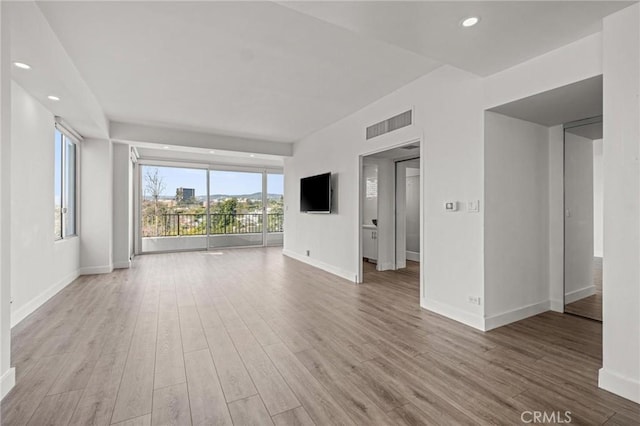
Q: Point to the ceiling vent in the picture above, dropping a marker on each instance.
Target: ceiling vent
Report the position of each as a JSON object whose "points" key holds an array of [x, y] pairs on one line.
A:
{"points": [[389, 125]]}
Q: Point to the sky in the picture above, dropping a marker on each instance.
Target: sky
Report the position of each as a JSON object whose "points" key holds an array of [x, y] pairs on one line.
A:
{"points": [[229, 183]]}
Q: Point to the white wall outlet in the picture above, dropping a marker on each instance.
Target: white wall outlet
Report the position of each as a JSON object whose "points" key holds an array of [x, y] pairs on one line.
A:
{"points": [[473, 206], [451, 206], [475, 300]]}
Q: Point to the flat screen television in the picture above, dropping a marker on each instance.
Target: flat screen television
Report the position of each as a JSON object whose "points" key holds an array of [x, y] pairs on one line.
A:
{"points": [[315, 194]]}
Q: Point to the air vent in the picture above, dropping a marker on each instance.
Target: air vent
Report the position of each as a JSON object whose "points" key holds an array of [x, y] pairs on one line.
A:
{"points": [[389, 125]]}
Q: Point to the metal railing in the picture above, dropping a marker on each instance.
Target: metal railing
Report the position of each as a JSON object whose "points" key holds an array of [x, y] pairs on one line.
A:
{"points": [[185, 224]]}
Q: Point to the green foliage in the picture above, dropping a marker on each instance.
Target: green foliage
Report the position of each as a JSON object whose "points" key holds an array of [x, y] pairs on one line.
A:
{"points": [[229, 216]]}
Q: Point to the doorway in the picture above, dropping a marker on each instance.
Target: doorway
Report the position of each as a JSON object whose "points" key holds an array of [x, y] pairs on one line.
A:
{"points": [[390, 217], [583, 207]]}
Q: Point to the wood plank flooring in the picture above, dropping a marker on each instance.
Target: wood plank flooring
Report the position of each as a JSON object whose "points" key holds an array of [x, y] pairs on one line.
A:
{"points": [[591, 306], [248, 336]]}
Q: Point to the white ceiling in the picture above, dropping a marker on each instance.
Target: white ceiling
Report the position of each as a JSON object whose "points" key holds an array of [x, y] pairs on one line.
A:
{"points": [[251, 69], [267, 71], [509, 32], [562, 105]]}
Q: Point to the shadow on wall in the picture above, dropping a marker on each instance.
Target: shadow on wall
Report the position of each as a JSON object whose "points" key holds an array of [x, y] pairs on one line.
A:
{"points": [[335, 208]]}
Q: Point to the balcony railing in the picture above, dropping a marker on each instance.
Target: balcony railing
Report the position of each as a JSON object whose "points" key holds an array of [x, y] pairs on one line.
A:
{"points": [[185, 224]]}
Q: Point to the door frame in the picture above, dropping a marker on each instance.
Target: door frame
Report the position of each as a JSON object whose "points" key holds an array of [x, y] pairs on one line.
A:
{"points": [[565, 127], [359, 217], [401, 209]]}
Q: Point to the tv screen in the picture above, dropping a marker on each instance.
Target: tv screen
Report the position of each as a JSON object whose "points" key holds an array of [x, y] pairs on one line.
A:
{"points": [[315, 194]]}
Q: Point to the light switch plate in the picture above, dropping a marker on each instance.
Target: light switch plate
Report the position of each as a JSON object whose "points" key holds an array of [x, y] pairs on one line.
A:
{"points": [[473, 206], [451, 206]]}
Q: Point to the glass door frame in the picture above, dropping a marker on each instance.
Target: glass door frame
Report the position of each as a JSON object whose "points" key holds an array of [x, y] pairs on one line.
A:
{"points": [[138, 191]]}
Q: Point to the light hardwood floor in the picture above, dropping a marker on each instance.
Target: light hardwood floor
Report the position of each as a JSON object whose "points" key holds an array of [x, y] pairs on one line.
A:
{"points": [[249, 336]]}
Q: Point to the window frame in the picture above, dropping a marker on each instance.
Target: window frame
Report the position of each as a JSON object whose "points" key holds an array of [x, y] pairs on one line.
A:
{"points": [[67, 139]]}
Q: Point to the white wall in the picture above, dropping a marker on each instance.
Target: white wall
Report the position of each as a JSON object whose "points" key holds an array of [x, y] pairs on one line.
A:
{"points": [[413, 210], [598, 194], [574, 62], [32, 200], [96, 205], [516, 233], [122, 207], [7, 374], [449, 120], [621, 275]]}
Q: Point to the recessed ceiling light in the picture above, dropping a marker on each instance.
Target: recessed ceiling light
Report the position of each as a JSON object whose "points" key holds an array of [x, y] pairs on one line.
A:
{"points": [[22, 65], [212, 152], [252, 156], [53, 98], [470, 21], [165, 147]]}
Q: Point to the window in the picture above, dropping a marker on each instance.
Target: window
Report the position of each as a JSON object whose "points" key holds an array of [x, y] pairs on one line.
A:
{"points": [[64, 186], [57, 186]]}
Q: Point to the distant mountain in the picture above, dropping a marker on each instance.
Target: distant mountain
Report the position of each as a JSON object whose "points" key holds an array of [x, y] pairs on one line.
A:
{"points": [[254, 196], [202, 198]]}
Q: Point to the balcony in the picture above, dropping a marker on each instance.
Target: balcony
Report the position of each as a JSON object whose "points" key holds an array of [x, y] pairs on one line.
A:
{"points": [[165, 232]]}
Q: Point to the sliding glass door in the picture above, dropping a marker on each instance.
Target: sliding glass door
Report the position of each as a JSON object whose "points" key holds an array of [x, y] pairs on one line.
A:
{"points": [[183, 208], [173, 208], [236, 209]]}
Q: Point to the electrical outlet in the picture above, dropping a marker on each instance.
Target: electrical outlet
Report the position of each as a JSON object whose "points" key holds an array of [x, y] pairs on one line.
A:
{"points": [[308, 252], [475, 300]]}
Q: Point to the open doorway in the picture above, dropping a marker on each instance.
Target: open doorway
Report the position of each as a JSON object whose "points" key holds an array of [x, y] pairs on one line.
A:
{"points": [[390, 217], [541, 153], [583, 194]]}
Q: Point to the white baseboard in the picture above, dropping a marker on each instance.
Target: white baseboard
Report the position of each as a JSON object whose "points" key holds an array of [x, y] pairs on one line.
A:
{"points": [[125, 264], [575, 295], [623, 386], [93, 270], [556, 306], [350, 276], [413, 255], [456, 314], [514, 315], [7, 382], [24, 311]]}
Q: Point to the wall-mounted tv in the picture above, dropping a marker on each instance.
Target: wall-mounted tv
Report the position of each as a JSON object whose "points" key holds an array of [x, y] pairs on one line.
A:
{"points": [[315, 194]]}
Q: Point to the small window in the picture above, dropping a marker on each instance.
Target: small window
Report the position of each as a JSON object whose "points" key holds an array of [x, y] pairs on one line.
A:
{"points": [[65, 158]]}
